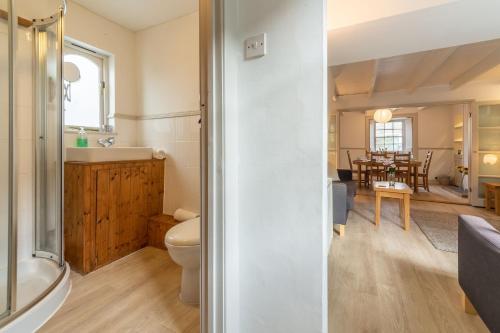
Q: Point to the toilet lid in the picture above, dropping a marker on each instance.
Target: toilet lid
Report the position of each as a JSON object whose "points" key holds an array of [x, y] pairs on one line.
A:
{"points": [[184, 234]]}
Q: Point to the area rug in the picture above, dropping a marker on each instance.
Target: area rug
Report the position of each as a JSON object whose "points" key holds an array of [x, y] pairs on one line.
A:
{"points": [[441, 228]]}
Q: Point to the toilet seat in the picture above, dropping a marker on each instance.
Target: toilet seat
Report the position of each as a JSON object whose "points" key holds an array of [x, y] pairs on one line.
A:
{"points": [[184, 234]]}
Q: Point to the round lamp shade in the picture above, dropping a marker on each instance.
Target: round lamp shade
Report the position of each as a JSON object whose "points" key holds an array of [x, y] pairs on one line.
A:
{"points": [[490, 159], [382, 115], [71, 72]]}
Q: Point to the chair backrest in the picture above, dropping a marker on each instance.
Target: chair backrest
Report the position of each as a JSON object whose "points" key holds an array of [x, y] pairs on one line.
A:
{"points": [[402, 156], [427, 163], [349, 158], [390, 154], [402, 161], [377, 154]]}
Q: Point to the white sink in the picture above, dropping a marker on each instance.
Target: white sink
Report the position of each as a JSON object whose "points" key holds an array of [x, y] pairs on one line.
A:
{"points": [[110, 154]]}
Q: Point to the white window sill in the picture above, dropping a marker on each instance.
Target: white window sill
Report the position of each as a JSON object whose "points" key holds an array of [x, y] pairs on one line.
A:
{"points": [[89, 132]]}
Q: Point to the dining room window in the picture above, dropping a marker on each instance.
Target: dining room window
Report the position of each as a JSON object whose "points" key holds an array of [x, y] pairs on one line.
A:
{"points": [[395, 135]]}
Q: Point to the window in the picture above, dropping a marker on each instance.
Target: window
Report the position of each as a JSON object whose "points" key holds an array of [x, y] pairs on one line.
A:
{"points": [[85, 99], [389, 136], [395, 135]]}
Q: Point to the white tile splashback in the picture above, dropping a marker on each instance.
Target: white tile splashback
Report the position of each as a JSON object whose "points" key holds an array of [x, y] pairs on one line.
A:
{"points": [[180, 139]]}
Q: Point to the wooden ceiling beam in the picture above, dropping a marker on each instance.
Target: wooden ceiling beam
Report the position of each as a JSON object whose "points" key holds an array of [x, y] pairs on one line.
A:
{"points": [[373, 79], [430, 63], [489, 62], [334, 74], [20, 20]]}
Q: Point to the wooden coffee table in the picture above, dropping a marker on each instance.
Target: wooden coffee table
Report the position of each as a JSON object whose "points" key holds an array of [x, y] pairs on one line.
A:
{"points": [[399, 191]]}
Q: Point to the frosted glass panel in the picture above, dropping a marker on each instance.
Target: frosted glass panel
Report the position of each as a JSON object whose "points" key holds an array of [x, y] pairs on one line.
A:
{"points": [[489, 164], [489, 115], [48, 146], [489, 145], [4, 161], [489, 139]]}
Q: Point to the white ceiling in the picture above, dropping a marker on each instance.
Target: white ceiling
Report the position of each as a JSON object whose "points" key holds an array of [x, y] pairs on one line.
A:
{"points": [[137, 15], [453, 66], [343, 13]]}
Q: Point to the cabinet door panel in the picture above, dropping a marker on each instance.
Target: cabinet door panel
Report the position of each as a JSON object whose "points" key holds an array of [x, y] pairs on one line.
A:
{"points": [[125, 230], [102, 217], [139, 184], [114, 218]]}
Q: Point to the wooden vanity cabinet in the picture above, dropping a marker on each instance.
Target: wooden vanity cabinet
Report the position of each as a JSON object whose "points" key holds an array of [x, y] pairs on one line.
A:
{"points": [[107, 206]]}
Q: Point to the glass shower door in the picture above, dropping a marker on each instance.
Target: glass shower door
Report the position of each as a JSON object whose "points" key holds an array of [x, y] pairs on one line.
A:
{"points": [[48, 123], [5, 164]]}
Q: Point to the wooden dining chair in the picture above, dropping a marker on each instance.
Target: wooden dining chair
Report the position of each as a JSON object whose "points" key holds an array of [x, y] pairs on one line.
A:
{"points": [[373, 155], [390, 154], [425, 172], [376, 172], [349, 159], [355, 171], [403, 167]]}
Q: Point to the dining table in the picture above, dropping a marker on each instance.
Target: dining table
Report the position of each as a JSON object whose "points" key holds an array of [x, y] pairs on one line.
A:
{"points": [[386, 162]]}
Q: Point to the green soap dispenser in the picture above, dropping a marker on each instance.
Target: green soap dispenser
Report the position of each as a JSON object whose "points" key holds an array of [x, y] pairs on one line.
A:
{"points": [[81, 139]]}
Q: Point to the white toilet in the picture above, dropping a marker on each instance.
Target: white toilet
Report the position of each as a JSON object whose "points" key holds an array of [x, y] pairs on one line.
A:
{"points": [[183, 244]]}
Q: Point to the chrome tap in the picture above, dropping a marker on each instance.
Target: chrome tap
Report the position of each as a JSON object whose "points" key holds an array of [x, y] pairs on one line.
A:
{"points": [[106, 142]]}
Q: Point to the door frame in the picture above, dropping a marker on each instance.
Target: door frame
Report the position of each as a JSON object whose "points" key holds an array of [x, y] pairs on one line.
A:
{"points": [[212, 307]]}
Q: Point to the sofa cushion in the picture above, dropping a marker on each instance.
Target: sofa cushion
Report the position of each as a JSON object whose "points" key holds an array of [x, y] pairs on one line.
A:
{"points": [[479, 267]]}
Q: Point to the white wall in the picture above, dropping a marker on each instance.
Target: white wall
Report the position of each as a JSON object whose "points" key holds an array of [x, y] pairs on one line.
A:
{"points": [[275, 168], [168, 84], [168, 67], [352, 137], [435, 132]]}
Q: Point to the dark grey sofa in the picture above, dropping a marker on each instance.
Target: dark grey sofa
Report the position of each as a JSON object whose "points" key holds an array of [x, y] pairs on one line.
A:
{"points": [[343, 193], [479, 268]]}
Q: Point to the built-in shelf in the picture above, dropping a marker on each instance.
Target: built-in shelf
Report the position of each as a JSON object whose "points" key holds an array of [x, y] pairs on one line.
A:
{"points": [[489, 151], [489, 176], [458, 140], [461, 125], [489, 127]]}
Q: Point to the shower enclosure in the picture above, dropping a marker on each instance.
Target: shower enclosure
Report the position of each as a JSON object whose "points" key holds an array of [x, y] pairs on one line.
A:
{"points": [[34, 278]]}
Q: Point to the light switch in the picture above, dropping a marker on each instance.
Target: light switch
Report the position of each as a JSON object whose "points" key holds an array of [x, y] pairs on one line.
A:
{"points": [[256, 46]]}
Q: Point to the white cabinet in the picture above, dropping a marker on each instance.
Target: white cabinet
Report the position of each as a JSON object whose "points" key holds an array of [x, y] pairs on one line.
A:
{"points": [[486, 148]]}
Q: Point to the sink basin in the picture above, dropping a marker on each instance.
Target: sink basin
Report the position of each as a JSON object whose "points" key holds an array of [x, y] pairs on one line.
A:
{"points": [[110, 154]]}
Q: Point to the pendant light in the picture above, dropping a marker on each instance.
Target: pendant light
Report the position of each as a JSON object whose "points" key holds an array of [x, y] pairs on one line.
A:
{"points": [[383, 116]]}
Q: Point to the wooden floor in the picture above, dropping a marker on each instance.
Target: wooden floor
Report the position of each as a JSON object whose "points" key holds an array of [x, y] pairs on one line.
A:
{"points": [[387, 280], [138, 293], [438, 193]]}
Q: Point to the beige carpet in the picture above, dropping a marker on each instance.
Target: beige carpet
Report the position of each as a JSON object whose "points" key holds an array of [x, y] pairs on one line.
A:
{"points": [[441, 228]]}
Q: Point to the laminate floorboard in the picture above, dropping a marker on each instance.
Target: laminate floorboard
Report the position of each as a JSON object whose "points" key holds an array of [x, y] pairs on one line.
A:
{"points": [[138, 293], [387, 280]]}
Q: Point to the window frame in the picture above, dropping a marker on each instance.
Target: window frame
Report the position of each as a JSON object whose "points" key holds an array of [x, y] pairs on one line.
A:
{"points": [[104, 112], [403, 134]]}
